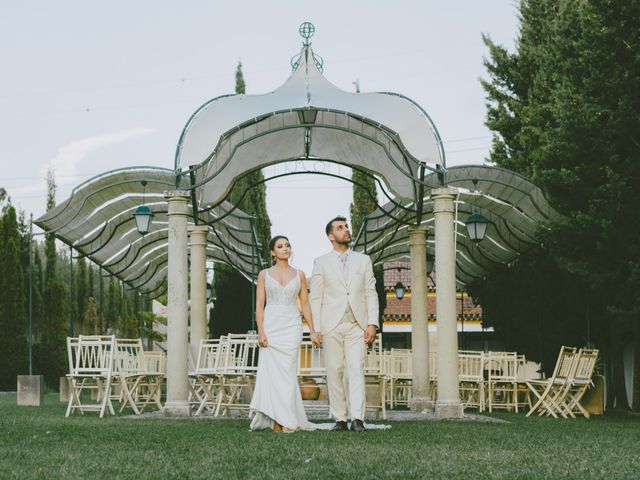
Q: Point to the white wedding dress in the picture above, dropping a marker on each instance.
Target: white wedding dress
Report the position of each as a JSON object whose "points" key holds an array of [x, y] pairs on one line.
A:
{"points": [[277, 393]]}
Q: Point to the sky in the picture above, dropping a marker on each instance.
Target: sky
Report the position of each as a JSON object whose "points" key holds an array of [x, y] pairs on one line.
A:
{"points": [[89, 86]]}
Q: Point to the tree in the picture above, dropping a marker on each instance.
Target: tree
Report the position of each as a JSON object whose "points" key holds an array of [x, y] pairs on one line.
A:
{"points": [[50, 353], [233, 308], [50, 239], [90, 318], [565, 111], [13, 341], [364, 202]]}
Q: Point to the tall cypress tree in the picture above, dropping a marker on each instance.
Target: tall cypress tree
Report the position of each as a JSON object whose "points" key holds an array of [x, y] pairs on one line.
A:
{"points": [[80, 290], [233, 309], [363, 203], [50, 240], [13, 342], [51, 351], [565, 111]]}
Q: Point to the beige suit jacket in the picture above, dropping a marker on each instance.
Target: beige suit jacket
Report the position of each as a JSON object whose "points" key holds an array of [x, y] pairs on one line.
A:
{"points": [[331, 291]]}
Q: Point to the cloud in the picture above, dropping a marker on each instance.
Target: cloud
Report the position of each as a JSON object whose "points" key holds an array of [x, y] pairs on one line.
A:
{"points": [[69, 156]]}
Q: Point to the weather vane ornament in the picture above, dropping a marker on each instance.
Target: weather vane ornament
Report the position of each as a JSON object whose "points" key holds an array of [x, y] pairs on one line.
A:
{"points": [[306, 31]]}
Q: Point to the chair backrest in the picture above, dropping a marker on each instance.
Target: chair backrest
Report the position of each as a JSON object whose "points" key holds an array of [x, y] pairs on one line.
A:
{"points": [[502, 366], [586, 363], [154, 363], [399, 363], [239, 355], [91, 355], [209, 356], [470, 366], [433, 366], [128, 358], [72, 352], [311, 363], [374, 361], [565, 365]]}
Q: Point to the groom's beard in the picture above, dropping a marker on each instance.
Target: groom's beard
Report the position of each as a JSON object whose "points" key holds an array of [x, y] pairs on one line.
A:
{"points": [[344, 242]]}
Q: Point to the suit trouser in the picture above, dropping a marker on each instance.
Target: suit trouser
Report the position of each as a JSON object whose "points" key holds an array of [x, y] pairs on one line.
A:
{"points": [[344, 355]]}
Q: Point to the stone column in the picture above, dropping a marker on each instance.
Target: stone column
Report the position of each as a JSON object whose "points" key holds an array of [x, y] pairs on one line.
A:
{"points": [[198, 330], [177, 403], [421, 395], [448, 404]]}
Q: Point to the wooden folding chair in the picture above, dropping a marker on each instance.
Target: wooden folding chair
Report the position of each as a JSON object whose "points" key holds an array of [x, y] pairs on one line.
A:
{"points": [[90, 369], [129, 369], [399, 375], [237, 376], [471, 378], [550, 393], [375, 377], [502, 382], [580, 382], [149, 388], [205, 379]]}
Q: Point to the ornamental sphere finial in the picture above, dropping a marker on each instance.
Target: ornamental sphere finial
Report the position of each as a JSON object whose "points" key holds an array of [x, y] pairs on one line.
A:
{"points": [[307, 30]]}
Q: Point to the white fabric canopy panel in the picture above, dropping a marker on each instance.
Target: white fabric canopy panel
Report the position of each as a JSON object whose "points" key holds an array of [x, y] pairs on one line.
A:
{"points": [[308, 117], [514, 206], [97, 221]]}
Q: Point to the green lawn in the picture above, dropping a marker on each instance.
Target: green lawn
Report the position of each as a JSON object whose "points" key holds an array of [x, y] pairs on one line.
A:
{"points": [[41, 443]]}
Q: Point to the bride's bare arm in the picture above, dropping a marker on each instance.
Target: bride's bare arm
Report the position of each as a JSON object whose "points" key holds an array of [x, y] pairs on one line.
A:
{"points": [[316, 337], [260, 302]]}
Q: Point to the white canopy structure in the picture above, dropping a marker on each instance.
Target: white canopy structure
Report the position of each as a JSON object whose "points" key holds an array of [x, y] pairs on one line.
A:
{"points": [[307, 119]]}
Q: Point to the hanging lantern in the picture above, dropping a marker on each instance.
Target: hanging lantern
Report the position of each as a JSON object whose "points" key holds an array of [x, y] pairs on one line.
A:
{"points": [[399, 288], [143, 214], [476, 227]]}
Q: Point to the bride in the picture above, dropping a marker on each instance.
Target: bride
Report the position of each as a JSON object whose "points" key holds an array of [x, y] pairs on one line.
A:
{"points": [[277, 402]]}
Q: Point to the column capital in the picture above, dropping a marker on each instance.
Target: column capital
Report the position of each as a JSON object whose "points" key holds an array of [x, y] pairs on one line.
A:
{"points": [[177, 200], [443, 199], [446, 191], [198, 234], [176, 194], [418, 235]]}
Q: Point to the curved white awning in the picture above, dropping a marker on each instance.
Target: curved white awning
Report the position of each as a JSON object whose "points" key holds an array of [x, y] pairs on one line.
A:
{"points": [[308, 117]]}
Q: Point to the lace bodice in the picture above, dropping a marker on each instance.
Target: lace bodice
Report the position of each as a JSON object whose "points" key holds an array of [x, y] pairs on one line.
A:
{"points": [[279, 295]]}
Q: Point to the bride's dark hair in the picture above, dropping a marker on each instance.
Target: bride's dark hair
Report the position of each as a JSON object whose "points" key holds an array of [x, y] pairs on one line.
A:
{"points": [[272, 244]]}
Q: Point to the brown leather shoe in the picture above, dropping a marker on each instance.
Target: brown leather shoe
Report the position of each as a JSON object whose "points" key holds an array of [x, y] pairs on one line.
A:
{"points": [[340, 427], [357, 426]]}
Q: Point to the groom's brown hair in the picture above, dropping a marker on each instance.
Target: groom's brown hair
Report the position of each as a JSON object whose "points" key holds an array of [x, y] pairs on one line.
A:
{"points": [[329, 226]]}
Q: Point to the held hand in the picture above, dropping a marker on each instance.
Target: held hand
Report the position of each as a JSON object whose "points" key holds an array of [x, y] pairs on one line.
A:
{"points": [[370, 334], [316, 339], [262, 339]]}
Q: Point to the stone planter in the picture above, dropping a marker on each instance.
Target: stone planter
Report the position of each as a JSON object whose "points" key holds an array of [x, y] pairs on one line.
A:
{"points": [[30, 390], [309, 389]]}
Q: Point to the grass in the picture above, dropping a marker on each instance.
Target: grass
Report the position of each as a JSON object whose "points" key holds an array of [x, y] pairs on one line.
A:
{"points": [[41, 443]]}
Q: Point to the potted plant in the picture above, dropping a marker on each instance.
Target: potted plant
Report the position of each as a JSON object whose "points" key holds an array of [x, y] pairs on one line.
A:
{"points": [[309, 389]]}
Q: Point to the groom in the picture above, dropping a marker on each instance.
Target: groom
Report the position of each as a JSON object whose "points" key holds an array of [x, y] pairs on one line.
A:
{"points": [[344, 304]]}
